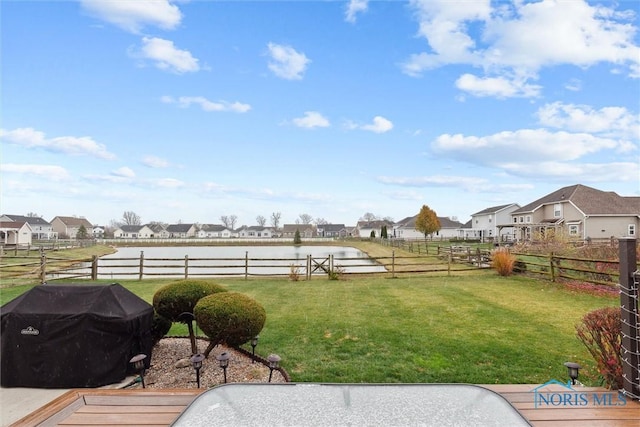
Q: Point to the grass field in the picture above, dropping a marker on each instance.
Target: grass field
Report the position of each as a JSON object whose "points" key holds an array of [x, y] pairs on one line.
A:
{"points": [[477, 329]]}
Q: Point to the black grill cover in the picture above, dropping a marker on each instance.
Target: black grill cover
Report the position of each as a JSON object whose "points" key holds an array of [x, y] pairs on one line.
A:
{"points": [[66, 336]]}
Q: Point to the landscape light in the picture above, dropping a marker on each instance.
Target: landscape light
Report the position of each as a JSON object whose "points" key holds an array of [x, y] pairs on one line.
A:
{"points": [[254, 343], [573, 369], [274, 363], [138, 364], [223, 360], [196, 362]]}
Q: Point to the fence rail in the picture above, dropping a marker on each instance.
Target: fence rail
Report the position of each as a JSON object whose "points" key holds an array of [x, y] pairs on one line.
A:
{"points": [[554, 267], [47, 268]]}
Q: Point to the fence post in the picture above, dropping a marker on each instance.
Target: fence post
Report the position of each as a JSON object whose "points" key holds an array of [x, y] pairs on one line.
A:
{"points": [[186, 267], [43, 268], [140, 271], [331, 265], [308, 267], [449, 260], [552, 270], [393, 264], [246, 265], [630, 327], [94, 267]]}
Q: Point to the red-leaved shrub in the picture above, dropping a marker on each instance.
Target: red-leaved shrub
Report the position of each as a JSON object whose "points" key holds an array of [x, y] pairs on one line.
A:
{"points": [[600, 332]]}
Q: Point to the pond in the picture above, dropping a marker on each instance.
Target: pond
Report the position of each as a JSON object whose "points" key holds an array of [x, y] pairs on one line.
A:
{"points": [[169, 261]]}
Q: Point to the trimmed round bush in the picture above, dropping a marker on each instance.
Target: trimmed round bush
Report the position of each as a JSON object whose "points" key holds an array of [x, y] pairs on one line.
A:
{"points": [[232, 318], [159, 327], [179, 297]]}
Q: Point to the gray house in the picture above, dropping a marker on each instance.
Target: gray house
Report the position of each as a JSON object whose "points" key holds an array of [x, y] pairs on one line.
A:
{"points": [[41, 229], [580, 212], [494, 223]]}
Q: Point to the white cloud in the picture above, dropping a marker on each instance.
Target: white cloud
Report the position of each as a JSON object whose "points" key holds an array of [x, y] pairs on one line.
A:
{"points": [[511, 46], [206, 105], [467, 183], [46, 172], [166, 56], [526, 145], [154, 162], [355, 7], [286, 62], [577, 172], [500, 87], [311, 119], [124, 172], [583, 118], [379, 125], [132, 16], [79, 146], [167, 183]]}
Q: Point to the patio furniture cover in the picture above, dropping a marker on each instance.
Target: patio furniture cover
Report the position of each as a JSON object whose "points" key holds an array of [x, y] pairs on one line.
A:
{"points": [[70, 336]]}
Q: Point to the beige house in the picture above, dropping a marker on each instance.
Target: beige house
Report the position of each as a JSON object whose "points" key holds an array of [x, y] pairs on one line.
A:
{"points": [[15, 233], [67, 227], [580, 212], [134, 232], [306, 230]]}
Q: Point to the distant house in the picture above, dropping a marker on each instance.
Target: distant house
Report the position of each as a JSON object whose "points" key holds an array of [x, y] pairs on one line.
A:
{"points": [[159, 231], [182, 231], [255, 232], [579, 211], [306, 230], [406, 229], [213, 231], [332, 230], [41, 229], [68, 226], [366, 227], [98, 231], [493, 223], [15, 233], [133, 232]]}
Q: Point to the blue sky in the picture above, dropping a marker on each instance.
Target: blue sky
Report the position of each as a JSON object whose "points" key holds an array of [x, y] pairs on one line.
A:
{"points": [[190, 110]]}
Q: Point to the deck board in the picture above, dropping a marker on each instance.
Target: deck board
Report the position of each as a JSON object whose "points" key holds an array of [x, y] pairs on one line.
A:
{"points": [[159, 408]]}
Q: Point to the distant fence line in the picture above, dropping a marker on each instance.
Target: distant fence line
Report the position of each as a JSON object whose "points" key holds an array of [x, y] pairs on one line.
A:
{"points": [[46, 268]]}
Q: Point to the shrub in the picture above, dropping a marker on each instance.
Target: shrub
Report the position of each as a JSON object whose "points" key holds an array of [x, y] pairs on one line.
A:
{"points": [[230, 317], [179, 297], [600, 331], [337, 273], [159, 327], [294, 273], [503, 261]]}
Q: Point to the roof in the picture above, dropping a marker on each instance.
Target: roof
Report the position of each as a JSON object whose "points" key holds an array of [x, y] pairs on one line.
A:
{"points": [[179, 228], [493, 209], [589, 200], [12, 224], [374, 224], [72, 221], [332, 227], [410, 222], [213, 227], [131, 228], [34, 220]]}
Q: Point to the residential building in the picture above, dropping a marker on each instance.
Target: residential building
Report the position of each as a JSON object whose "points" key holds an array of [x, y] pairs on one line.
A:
{"points": [[255, 232], [98, 231], [332, 230], [133, 232], [159, 230], [306, 230], [580, 212], [15, 233], [366, 227], [67, 227], [494, 223], [42, 230], [406, 229], [213, 231], [182, 231]]}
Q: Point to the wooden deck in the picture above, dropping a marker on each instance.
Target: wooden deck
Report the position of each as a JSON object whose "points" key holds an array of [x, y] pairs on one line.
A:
{"points": [[155, 408]]}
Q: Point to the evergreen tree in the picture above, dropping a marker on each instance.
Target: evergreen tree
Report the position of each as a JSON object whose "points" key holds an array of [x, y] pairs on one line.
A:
{"points": [[296, 238]]}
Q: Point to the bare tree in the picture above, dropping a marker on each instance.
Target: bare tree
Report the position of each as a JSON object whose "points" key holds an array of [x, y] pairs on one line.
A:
{"points": [[388, 219], [368, 217], [232, 221], [261, 220], [33, 215], [306, 218], [225, 221], [321, 221], [131, 218], [275, 219]]}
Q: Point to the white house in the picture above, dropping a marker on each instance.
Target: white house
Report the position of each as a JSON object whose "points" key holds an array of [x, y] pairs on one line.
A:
{"points": [[366, 227], [406, 229], [255, 232], [489, 224], [133, 232], [42, 230], [213, 231], [15, 233], [183, 231]]}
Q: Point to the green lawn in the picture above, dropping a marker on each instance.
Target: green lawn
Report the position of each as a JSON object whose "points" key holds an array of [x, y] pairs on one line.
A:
{"points": [[478, 329]]}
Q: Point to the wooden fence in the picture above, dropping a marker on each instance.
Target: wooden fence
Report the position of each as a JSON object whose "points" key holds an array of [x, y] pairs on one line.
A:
{"points": [[44, 268], [554, 267]]}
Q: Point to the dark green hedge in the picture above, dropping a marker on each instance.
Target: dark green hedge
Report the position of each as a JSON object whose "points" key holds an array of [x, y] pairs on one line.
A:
{"points": [[179, 297]]}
